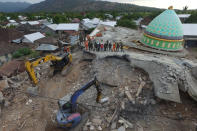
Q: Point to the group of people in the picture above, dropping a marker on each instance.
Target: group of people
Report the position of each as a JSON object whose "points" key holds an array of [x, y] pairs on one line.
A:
{"points": [[93, 45]]}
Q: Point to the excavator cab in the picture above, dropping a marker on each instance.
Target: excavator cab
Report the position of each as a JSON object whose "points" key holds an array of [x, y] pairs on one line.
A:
{"points": [[58, 63], [68, 116]]}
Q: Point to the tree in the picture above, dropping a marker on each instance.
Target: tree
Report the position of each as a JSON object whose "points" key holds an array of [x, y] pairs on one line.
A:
{"points": [[185, 9], [192, 18], [126, 23]]}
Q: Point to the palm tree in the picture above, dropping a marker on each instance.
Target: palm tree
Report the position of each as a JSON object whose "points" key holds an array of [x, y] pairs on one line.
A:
{"points": [[185, 8]]}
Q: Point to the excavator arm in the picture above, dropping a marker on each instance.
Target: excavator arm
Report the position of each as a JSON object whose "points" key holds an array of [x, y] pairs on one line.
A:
{"points": [[75, 96], [55, 60]]}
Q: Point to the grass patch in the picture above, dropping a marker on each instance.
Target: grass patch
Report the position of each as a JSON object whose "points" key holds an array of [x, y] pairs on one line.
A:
{"points": [[25, 52]]}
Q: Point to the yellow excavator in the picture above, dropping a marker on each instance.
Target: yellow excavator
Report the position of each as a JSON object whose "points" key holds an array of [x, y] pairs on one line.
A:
{"points": [[59, 63]]}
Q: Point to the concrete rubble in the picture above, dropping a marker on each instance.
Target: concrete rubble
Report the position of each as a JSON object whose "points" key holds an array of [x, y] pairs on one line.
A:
{"points": [[168, 74]]}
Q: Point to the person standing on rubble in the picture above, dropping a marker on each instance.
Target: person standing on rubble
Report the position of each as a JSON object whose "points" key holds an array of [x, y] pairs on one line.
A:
{"points": [[121, 46], [105, 46], [114, 47], [102, 45], [89, 44], [110, 45], [117, 46], [95, 45], [98, 45], [86, 44]]}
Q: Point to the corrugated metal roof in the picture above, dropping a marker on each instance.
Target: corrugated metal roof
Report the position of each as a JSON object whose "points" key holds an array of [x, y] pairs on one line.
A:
{"points": [[183, 15], [47, 47], [33, 37], [69, 26], [12, 21], [109, 23], [53, 26], [190, 29], [33, 22], [23, 22]]}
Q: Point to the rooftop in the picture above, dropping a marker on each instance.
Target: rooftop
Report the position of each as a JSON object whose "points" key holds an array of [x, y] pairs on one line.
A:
{"points": [[190, 29], [70, 26], [33, 37]]}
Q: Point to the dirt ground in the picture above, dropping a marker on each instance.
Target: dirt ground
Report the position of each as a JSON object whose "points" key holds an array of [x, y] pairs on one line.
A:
{"points": [[23, 112]]}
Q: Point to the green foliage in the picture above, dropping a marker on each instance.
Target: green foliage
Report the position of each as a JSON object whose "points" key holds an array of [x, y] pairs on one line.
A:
{"points": [[48, 34], [21, 52], [34, 54], [12, 26], [2, 17], [192, 18], [126, 23], [58, 18]]}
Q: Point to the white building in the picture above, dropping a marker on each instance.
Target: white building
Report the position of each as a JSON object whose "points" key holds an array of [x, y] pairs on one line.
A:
{"points": [[190, 34]]}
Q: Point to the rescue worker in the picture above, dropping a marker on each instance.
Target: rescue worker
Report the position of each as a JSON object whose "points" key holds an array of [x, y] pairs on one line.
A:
{"points": [[86, 45], [121, 46], [102, 45], [114, 47]]}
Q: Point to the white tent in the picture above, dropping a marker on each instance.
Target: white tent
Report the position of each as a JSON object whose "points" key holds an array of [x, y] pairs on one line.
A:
{"points": [[30, 38], [66, 27]]}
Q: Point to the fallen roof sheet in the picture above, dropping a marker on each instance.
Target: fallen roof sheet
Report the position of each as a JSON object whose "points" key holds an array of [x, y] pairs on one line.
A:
{"points": [[69, 26], [46, 47], [190, 29], [33, 37]]}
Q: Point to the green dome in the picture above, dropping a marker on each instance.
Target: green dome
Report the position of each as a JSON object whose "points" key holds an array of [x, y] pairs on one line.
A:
{"points": [[164, 32]]}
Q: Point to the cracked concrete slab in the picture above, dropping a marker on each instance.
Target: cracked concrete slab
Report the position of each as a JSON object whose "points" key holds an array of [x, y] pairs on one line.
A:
{"points": [[168, 74]]}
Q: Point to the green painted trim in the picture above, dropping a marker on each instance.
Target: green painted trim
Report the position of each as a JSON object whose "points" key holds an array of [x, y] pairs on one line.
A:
{"points": [[163, 45]]}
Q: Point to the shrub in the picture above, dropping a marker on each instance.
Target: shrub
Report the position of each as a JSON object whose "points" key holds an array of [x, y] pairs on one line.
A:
{"points": [[34, 54], [21, 52]]}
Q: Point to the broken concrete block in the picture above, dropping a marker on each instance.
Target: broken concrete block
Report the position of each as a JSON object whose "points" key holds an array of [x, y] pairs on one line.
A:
{"points": [[113, 125], [99, 128], [122, 128], [3, 84], [92, 128], [152, 101], [97, 121], [127, 123], [32, 90], [104, 100]]}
